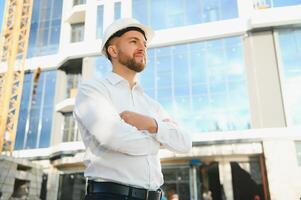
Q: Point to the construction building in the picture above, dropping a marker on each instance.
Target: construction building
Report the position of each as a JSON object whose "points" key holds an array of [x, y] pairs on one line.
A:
{"points": [[228, 71]]}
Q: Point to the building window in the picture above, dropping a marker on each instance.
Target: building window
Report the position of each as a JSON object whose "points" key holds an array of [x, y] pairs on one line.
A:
{"points": [[202, 85], [2, 8], [289, 41], [176, 182], [45, 28], [102, 66], [72, 186], [36, 111], [72, 82], [298, 149], [162, 14], [78, 2], [247, 179], [73, 70], [264, 4], [77, 32], [117, 10], [70, 131], [99, 25]]}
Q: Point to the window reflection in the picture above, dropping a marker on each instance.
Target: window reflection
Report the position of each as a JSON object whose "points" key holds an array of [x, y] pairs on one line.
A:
{"points": [[290, 50], [200, 84], [117, 10], [36, 111], [2, 8], [70, 130], [160, 14], [264, 4], [99, 25], [78, 2], [77, 32], [71, 186], [45, 28], [176, 181]]}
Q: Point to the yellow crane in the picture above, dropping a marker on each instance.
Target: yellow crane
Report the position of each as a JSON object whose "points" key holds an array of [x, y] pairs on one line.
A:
{"points": [[13, 50]]}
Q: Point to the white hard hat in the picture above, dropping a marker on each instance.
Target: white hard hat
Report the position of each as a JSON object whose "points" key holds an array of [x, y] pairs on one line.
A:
{"points": [[122, 24]]}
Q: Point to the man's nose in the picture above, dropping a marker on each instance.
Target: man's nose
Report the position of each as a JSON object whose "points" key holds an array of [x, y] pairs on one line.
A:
{"points": [[142, 46]]}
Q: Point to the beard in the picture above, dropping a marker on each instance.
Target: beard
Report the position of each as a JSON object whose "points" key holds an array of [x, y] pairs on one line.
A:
{"points": [[131, 63]]}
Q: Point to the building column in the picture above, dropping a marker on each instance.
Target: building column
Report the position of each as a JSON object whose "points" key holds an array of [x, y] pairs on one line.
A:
{"points": [[88, 68], [193, 182], [264, 89], [225, 176]]}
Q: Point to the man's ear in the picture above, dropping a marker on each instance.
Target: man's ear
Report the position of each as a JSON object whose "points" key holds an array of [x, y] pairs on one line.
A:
{"points": [[112, 50]]}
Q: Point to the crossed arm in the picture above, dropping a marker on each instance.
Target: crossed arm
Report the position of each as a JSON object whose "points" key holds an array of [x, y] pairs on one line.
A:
{"points": [[123, 131], [141, 122]]}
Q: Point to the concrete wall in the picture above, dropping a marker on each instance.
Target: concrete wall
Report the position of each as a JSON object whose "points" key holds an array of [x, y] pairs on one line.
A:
{"points": [[52, 184], [266, 104], [283, 172], [12, 169], [58, 119]]}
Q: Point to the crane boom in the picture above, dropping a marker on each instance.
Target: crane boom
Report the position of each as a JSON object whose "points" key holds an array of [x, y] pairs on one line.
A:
{"points": [[13, 50]]}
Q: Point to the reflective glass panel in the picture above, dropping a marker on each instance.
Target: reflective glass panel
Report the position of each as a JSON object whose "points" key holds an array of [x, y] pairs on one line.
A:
{"points": [[99, 25], [202, 85], [176, 182], [48, 109], [72, 186], [23, 113], [280, 3], [36, 111], [45, 27], [263, 4], [2, 8], [117, 10], [102, 66], [77, 32], [78, 2], [161, 14], [290, 51]]}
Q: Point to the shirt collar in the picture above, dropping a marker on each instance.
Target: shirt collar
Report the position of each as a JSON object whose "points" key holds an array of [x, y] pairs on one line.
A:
{"points": [[115, 79]]}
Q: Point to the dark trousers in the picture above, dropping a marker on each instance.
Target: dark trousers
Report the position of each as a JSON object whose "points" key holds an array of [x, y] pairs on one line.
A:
{"points": [[115, 191], [107, 196]]}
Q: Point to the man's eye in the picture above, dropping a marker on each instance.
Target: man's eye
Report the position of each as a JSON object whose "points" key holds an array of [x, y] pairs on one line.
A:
{"points": [[134, 41]]}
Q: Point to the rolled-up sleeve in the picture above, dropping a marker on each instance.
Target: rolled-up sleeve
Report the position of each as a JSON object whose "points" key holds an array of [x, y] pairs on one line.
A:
{"points": [[171, 135], [94, 111]]}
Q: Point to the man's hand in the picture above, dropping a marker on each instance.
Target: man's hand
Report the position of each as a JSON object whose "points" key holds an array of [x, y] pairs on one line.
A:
{"points": [[141, 122]]}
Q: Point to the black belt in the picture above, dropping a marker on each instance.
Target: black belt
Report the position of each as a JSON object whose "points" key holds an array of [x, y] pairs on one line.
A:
{"points": [[124, 190]]}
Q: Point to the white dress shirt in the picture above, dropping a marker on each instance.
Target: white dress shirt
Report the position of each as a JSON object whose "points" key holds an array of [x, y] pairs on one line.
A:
{"points": [[115, 150]]}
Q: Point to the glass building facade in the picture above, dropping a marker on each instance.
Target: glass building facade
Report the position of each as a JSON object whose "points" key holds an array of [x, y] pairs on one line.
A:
{"points": [[162, 14], [263, 4], [117, 10], [202, 85], [2, 8], [290, 54], [45, 27], [99, 21], [36, 111]]}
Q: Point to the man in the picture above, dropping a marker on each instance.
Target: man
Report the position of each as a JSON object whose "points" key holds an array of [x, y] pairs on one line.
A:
{"points": [[122, 128]]}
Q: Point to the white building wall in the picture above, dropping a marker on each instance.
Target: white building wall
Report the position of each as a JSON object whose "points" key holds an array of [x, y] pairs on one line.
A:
{"points": [[283, 172]]}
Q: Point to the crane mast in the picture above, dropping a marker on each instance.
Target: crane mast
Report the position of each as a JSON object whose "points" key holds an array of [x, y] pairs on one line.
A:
{"points": [[13, 50]]}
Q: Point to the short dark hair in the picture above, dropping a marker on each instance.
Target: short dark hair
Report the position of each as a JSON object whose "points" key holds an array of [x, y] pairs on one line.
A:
{"points": [[120, 33]]}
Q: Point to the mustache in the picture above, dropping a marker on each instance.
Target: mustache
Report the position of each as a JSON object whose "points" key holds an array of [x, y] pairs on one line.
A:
{"points": [[140, 53]]}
